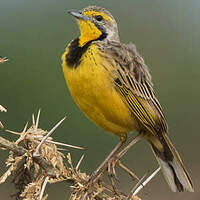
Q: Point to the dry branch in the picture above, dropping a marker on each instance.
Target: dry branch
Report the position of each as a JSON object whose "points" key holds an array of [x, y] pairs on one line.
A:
{"points": [[35, 160]]}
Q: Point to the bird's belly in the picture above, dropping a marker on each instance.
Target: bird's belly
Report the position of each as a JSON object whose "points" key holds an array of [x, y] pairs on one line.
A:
{"points": [[91, 87]]}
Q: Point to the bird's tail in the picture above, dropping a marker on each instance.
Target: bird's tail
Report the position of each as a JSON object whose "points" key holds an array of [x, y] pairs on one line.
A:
{"points": [[171, 164]]}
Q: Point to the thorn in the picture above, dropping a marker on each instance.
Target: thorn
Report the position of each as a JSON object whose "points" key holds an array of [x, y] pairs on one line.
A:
{"points": [[13, 132], [2, 109], [1, 125], [136, 186], [146, 181], [66, 145], [17, 133], [62, 149], [36, 152], [43, 187], [33, 119], [79, 162], [2, 60], [25, 127], [37, 119]]}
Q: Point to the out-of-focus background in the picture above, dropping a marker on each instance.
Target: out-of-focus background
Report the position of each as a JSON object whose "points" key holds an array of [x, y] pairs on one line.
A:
{"points": [[33, 35]]}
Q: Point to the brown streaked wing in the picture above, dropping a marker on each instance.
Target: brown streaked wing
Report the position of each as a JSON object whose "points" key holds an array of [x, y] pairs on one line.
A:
{"points": [[136, 85]]}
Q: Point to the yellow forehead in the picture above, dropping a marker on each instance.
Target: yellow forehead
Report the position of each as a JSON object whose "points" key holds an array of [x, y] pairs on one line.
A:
{"points": [[95, 13]]}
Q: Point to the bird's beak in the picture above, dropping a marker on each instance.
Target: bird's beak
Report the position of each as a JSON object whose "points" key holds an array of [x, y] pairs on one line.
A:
{"points": [[78, 14]]}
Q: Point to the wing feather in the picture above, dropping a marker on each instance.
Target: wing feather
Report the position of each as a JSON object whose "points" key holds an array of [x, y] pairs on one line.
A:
{"points": [[135, 85]]}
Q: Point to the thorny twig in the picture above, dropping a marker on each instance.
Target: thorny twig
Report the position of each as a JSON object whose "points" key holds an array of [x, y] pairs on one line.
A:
{"points": [[36, 152], [32, 173]]}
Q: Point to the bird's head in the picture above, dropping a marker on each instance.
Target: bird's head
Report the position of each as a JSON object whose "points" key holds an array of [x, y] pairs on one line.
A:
{"points": [[95, 23]]}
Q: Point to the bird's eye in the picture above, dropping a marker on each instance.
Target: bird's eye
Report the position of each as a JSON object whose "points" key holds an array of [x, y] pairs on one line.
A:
{"points": [[98, 18]]}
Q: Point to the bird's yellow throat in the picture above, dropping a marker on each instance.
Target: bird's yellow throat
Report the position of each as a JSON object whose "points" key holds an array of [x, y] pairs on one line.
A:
{"points": [[89, 31]]}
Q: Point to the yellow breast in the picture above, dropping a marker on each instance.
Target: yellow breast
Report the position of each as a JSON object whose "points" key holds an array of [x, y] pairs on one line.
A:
{"points": [[92, 88]]}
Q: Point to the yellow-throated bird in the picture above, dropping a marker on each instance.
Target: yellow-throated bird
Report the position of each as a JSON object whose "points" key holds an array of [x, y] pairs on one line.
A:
{"points": [[111, 84]]}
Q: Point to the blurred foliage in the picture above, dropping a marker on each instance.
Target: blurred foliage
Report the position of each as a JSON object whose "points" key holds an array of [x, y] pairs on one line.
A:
{"points": [[33, 35]]}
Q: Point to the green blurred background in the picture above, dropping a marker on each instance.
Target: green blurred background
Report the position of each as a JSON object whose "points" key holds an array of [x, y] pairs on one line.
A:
{"points": [[33, 35]]}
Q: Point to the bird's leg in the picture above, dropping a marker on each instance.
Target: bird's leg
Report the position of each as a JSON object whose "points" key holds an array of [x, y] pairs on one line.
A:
{"points": [[112, 173], [110, 162], [116, 161], [94, 177], [124, 150]]}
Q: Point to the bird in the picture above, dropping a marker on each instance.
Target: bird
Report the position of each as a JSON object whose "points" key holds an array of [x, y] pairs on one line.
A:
{"points": [[112, 85]]}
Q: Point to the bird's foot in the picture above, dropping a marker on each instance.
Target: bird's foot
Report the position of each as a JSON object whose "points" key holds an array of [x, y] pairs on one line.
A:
{"points": [[109, 165]]}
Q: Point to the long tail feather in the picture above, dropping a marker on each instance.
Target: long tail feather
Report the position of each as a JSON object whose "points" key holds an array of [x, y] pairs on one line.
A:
{"points": [[172, 165]]}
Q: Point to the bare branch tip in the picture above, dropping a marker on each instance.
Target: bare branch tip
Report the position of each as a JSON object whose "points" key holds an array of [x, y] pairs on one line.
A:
{"points": [[33, 119], [43, 187], [38, 119], [79, 162], [2, 109], [146, 181]]}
